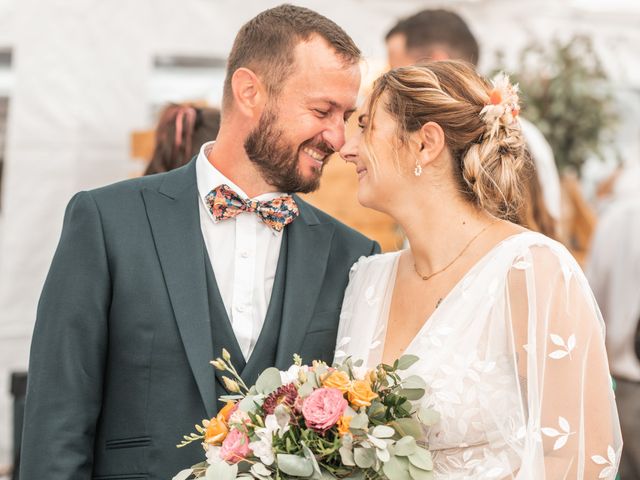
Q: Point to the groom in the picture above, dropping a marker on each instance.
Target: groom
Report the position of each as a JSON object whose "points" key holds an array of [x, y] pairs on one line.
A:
{"points": [[154, 276]]}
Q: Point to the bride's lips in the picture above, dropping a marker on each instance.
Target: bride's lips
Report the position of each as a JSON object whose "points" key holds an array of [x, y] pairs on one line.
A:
{"points": [[362, 172]]}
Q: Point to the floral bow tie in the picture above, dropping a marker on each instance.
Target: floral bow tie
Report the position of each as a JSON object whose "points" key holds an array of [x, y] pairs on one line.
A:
{"points": [[277, 213]]}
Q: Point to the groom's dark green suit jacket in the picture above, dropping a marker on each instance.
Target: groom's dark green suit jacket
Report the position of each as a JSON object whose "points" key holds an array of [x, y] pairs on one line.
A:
{"points": [[130, 317]]}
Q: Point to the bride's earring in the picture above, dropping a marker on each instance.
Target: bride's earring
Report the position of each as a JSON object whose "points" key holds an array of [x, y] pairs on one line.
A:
{"points": [[418, 170]]}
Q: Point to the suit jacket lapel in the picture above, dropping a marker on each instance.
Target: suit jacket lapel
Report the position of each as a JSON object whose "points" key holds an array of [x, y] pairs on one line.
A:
{"points": [[173, 213], [309, 243]]}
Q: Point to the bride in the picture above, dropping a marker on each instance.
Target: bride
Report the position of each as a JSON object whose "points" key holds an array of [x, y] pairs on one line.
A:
{"points": [[508, 333]]}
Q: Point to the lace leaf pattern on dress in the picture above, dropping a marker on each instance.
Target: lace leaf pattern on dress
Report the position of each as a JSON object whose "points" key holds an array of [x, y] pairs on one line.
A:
{"points": [[562, 434], [566, 348], [610, 470]]}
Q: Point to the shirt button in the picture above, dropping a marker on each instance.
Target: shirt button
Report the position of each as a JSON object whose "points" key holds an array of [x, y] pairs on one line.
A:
{"points": [[240, 308], [244, 254]]}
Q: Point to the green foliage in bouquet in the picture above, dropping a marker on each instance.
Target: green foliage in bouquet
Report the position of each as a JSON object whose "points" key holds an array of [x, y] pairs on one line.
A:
{"points": [[317, 422], [566, 94]]}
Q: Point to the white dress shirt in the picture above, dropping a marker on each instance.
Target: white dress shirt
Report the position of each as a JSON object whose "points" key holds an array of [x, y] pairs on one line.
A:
{"points": [[244, 255]]}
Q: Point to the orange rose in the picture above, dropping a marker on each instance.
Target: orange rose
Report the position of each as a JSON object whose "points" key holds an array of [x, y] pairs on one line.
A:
{"points": [[216, 431], [226, 411], [338, 379], [360, 394], [343, 425]]}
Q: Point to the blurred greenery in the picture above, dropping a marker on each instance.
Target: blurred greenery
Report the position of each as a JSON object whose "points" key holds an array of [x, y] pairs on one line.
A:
{"points": [[566, 94]]}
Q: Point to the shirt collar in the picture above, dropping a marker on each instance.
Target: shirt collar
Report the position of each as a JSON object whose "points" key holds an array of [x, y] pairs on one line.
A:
{"points": [[209, 177]]}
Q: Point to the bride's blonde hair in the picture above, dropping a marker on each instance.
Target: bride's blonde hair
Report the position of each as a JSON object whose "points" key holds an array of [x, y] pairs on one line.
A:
{"points": [[489, 167]]}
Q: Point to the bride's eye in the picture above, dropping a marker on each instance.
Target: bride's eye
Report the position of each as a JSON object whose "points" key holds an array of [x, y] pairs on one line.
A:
{"points": [[362, 122]]}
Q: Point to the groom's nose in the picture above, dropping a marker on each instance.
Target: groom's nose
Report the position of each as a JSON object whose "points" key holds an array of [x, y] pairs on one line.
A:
{"points": [[334, 134]]}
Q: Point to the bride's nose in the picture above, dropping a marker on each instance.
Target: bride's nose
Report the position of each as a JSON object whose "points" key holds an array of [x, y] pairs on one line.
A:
{"points": [[349, 151]]}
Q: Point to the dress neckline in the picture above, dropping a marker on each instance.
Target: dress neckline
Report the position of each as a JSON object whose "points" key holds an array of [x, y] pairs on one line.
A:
{"points": [[393, 277]]}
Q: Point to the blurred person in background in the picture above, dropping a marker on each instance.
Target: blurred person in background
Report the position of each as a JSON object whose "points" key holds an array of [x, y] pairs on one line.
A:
{"points": [[441, 35], [613, 270], [181, 131]]}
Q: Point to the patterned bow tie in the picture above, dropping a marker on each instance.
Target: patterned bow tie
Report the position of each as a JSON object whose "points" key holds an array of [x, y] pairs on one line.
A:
{"points": [[277, 213]]}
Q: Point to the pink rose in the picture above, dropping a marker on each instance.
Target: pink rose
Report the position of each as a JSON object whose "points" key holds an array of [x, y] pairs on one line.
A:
{"points": [[323, 408], [235, 447]]}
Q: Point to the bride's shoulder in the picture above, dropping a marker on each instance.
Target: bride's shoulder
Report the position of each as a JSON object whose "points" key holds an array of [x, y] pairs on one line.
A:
{"points": [[377, 260], [374, 263], [538, 251]]}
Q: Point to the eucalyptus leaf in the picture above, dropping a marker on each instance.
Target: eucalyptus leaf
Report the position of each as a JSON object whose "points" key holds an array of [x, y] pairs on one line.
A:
{"points": [[428, 416], [308, 454], [405, 446], [421, 458], [360, 421], [183, 475], [377, 442], [412, 393], [350, 412], [268, 381], [221, 471], [419, 474], [248, 403], [231, 398], [305, 390], [414, 381], [406, 361], [383, 431], [376, 409], [294, 465], [346, 456], [258, 469], [397, 468], [408, 426], [383, 455], [364, 457]]}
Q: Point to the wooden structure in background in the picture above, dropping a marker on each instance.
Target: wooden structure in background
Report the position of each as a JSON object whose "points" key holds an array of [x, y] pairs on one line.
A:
{"points": [[338, 197], [142, 145]]}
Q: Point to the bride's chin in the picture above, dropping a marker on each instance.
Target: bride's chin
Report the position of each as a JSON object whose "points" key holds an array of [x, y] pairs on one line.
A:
{"points": [[366, 198]]}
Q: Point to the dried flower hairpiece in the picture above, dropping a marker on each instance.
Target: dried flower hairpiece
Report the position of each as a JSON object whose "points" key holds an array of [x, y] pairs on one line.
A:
{"points": [[503, 104]]}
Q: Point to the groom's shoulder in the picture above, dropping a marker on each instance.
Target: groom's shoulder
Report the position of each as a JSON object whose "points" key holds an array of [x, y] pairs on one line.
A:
{"points": [[130, 189], [341, 230]]}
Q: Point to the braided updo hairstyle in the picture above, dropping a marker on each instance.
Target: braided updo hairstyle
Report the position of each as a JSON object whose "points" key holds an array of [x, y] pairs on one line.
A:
{"points": [[489, 159]]}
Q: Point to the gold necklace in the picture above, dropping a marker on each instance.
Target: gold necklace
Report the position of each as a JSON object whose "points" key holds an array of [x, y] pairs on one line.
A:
{"points": [[431, 275]]}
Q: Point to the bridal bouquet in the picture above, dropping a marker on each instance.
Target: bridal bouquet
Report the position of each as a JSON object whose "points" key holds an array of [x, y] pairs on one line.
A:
{"points": [[316, 422]]}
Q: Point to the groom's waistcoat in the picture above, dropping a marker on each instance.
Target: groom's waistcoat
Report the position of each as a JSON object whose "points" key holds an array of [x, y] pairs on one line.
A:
{"points": [[265, 351]]}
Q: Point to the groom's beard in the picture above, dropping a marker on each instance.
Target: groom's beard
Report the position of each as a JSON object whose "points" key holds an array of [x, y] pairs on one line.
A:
{"points": [[277, 160]]}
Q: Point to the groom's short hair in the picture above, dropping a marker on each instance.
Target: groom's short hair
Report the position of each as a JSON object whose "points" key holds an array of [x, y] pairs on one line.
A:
{"points": [[265, 44]]}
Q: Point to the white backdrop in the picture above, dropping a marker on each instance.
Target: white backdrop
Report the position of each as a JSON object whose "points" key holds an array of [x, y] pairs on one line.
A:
{"points": [[81, 82]]}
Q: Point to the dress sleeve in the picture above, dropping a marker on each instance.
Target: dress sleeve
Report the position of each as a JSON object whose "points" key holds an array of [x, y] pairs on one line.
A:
{"points": [[572, 427]]}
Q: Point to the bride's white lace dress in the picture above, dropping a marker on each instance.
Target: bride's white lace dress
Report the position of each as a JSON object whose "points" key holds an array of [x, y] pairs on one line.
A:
{"points": [[514, 361]]}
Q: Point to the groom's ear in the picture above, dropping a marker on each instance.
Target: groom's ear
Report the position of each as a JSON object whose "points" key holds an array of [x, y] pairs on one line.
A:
{"points": [[432, 142], [249, 94]]}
